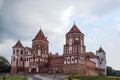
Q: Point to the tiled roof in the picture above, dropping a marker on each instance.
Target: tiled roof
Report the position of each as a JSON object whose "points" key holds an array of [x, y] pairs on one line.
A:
{"points": [[30, 49], [100, 50], [18, 44], [90, 55], [40, 36], [74, 29], [90, 61]]}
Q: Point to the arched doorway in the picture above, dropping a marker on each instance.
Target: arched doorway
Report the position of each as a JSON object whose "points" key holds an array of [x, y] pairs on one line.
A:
{"points": [[33, 70]]}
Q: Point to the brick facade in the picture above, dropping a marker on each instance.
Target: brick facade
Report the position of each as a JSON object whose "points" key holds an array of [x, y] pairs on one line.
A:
{"points": [[55, 63], [74, 60]]}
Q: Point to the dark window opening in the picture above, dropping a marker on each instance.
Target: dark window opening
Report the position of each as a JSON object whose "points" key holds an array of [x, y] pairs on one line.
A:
{"points": [[72, 59], [21, 52], [21, 59], [17, 50]]}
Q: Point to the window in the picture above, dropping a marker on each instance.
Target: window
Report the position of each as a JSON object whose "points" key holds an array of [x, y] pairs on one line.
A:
{"points": [[17, 51], [68, 59], [21, 59], [70, 49], [21, 52], [72, 59]]}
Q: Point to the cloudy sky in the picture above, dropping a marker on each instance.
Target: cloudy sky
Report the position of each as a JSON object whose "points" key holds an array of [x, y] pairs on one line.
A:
{"points": [[99, 20]]}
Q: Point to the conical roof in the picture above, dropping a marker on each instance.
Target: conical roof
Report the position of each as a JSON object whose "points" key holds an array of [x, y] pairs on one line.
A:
{"points": [[74, 29], [40, 36], [18, 44], [100, 50]]}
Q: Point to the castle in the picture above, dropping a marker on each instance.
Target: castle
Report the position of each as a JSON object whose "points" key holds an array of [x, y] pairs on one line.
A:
{"points": [[74, 60]]}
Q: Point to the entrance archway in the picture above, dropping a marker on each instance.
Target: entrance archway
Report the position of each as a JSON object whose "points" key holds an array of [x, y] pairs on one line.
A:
{"points": [[33, 70]]}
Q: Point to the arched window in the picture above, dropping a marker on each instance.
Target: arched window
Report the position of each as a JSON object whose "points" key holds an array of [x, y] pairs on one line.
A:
{"points": [[17, 51], [68, 59], [72, 59]]}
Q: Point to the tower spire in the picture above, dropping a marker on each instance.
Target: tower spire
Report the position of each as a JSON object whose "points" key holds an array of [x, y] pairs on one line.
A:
{"points": [[18, 44], [40, 36]]}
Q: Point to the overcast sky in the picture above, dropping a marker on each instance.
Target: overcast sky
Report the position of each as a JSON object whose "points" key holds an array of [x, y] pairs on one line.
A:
{"points": [[99, 20]]}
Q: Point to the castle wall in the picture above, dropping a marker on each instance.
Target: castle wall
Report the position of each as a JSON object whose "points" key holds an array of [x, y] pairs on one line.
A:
{"points": [[91, 71], [74, 69], [55, 63], [73, 61]]}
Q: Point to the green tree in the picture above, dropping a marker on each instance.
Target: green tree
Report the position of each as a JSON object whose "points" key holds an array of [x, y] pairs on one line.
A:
{"points": [[112, 72], [4, 65], [109, 71]]}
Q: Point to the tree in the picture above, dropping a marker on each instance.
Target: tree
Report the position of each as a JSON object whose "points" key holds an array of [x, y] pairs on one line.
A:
{"points": [[109, 71], [4, 65], [112, 72]]}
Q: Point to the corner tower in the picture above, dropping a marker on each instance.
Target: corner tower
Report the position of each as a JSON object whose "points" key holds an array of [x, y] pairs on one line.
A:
{"points": [[74, 52], [101, 61], [17, 58], [39, 57]]}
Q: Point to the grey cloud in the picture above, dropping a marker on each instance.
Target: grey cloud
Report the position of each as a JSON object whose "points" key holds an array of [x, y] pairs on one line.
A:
{"points": [[21, 18]]}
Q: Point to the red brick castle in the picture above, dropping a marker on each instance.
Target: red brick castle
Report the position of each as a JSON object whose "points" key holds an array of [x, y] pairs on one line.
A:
{"points": [[74, 60]]}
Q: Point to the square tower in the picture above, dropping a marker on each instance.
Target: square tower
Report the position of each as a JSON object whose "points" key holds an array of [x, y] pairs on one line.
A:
{"points": [[39, 57], [74, 52]]}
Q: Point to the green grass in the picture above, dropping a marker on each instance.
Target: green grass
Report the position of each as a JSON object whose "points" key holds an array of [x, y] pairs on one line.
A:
{"points": [[13, 78], [93, 78]]}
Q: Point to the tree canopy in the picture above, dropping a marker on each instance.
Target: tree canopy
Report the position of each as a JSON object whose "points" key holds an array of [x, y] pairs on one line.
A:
{"points": [[112, 72], [4, 65]]}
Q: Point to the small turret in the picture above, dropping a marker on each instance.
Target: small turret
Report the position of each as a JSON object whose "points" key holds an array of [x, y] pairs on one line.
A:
{"points": [[100, 53]]}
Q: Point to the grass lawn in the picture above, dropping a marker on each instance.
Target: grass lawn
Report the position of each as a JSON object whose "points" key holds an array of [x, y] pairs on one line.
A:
{"points": [[93, 78], [13, 78]]}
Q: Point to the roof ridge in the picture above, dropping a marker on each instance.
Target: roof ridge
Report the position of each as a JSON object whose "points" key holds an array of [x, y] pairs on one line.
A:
{"points": [[100, 50], [40, 36], [74, 29], [18, 44]]}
